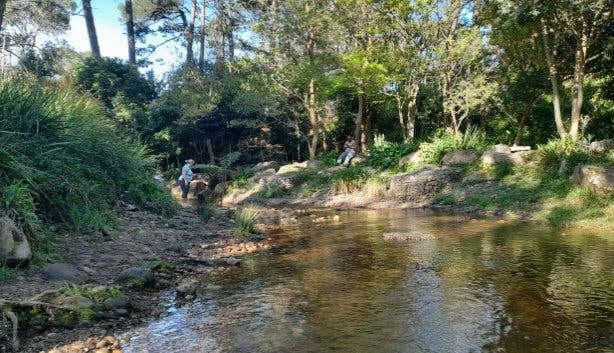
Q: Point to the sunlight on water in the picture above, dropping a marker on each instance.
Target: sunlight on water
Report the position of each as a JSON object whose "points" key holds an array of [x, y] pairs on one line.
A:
{"points": [[481, 286]]}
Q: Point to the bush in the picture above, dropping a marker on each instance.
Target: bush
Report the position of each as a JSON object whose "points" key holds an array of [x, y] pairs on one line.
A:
{"points": [[349, 179], [386, 154], [245, 220], [443, 142], [555, 151], [61, 161]]}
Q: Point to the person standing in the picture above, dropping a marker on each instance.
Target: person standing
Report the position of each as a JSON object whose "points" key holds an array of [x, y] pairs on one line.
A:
{"points": [[184, 181], [349, 151]]}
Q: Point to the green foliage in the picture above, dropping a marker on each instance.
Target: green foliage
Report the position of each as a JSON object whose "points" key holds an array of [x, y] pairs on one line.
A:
{"points": [[61, 161], [444, 199], [7, 273], [245, 220], [443, 142], [377, 186], [240, 180], [349, 179], [555, 151], [272, 191], [160, 266], [205, 211], [385, 154]]}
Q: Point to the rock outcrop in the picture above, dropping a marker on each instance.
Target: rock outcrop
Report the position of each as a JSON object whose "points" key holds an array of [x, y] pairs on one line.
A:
{"points": [[14, 246], [459, 158], [601, 146], [595, 177], [412, 158], [424, 183], [262, 166]]}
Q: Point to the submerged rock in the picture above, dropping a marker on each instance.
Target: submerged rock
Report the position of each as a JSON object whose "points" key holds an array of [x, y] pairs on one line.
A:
{"points": [[408, 236]]}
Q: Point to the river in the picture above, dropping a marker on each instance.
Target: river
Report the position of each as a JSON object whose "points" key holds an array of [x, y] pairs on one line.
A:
{"points": [[337, 286]]}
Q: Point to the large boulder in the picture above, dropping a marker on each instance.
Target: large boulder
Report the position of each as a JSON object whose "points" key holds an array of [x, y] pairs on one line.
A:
{"points": [[412, 158], [595, 177], [601, 146], [137, 276], [14, 246], [424, 183], [262, 166], [492, 157], [459, 158]]}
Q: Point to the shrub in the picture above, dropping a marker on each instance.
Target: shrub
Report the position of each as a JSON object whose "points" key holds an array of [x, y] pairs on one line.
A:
{"points": [[555, 151], [444, 199], [385, 154], [271, 191], [349, 179], [61, 161], [443, 142], [245, 220]]}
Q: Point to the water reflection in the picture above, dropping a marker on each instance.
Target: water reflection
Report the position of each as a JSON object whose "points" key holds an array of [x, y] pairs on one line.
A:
{"points": [[481, 286]]}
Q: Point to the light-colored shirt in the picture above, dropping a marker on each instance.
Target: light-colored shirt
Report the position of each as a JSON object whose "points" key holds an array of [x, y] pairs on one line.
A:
{"points": [[350, 145], [188, 172]]}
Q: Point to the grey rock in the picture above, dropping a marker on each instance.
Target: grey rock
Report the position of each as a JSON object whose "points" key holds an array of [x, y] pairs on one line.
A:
{"points": [[14, 246], [262, 166], [63, 272], [492, 157], [412, 158], [424, 183], [137, 275], [187, 287], [74, 302], [407, 236], [597, 178], [601, 146], [122, 302], [475, 178], [502, 148], [459, 158]]}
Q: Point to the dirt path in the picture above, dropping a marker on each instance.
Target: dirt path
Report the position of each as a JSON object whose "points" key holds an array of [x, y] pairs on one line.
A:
{"points": [[184, 243]]}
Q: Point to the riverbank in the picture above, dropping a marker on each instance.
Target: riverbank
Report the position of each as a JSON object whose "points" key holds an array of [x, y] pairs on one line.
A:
{"points": [[99, 284], [524, 186]]}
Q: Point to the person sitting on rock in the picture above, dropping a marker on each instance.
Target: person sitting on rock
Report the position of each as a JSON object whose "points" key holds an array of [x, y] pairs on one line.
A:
{"points": [[349, 151]]}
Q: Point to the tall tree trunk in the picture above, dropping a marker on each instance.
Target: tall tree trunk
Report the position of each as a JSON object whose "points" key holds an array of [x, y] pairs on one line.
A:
{"points": [[189, 35], [220, 41], [578, 86], [368, 128], [91, 28], [552, 73], [2, 10], [130, 32], [359, 122], [412, 110], [313, 118], [201, 54], [401, 113]]}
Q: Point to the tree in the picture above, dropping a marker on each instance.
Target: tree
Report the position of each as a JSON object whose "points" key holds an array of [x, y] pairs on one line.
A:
{"points": [[91, 28], [130, 32]]}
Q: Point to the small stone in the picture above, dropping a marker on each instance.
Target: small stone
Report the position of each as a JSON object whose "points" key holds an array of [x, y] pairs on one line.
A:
{"points": [[117, 303], [336, 218]]}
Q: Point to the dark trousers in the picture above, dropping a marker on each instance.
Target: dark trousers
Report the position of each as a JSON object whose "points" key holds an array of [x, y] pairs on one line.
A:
{"points": [[185, 188]]}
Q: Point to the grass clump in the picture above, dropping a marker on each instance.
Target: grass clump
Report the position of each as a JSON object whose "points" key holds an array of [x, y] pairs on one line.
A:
{"points": [[61, 161], [245, 220], [272, 191], [443, 142], [349, 179], [385, 154], [444, 199], [205, 211], [7, 273]]}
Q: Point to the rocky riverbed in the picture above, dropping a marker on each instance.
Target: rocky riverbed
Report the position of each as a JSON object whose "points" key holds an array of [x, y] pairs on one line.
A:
{"points": [[95, 285]]}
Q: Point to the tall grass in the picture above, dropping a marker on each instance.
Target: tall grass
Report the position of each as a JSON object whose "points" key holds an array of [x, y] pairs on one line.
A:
{"points": [[245, 220], [443, 142], [62, 161]]}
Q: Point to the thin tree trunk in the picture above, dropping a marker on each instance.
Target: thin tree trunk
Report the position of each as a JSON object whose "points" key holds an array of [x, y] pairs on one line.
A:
{"points": [[201, 54], [189, 35], [2, 10], [220, 41], [210, 150], [91, 28], [359, 122], [313, 119], [556, 96], [412, 111], [130, 32], [400, 105], [578, 88], [368, 128]]}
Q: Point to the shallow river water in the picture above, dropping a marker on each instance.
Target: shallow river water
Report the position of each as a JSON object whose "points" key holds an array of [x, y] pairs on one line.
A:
{"points": [[481, 286]]}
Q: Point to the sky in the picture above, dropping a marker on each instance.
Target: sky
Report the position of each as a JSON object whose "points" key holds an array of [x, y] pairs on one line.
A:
{"points": [[112, 37]]}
